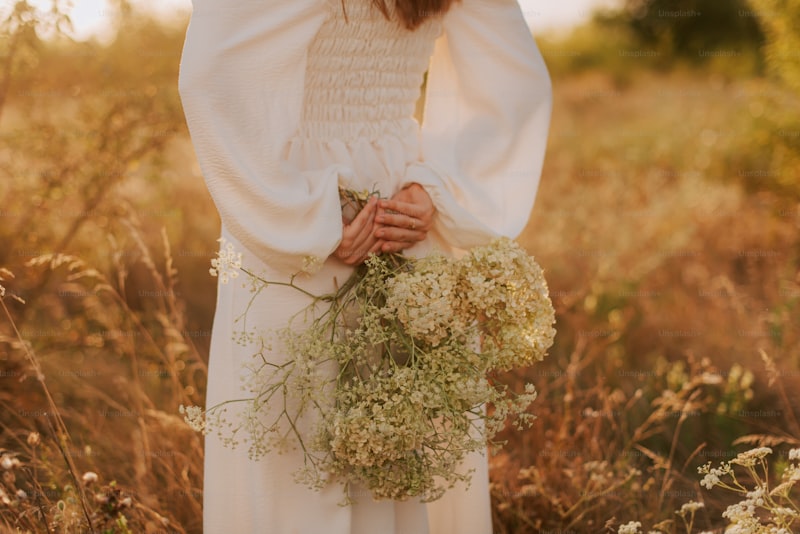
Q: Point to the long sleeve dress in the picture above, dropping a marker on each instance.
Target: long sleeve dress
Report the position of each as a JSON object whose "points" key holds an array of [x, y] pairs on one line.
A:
{"points": [[285, 101]]}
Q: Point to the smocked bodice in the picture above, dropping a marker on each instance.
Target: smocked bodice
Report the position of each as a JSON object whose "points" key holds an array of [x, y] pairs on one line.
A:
{"points": [[364, 72]]}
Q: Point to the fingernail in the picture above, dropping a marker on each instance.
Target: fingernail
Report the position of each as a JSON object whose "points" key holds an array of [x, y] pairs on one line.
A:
{"points": [[379, 233]]}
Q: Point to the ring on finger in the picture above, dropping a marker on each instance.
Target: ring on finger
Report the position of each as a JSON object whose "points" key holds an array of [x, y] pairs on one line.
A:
{"points": [[413, 224]]}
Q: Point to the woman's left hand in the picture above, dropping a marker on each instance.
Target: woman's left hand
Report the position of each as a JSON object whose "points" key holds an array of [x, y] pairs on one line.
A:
{"points": [[405, 219]]}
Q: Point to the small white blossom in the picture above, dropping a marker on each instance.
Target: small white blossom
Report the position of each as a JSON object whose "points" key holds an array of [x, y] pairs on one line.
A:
{"points": [[709, 481], [784, 512], [193, 415], [631, 527], [227, 263], [34, 438], [89, 477], [8, 462], [690, 507], [312, 264], [713, 474], [749, 458]]}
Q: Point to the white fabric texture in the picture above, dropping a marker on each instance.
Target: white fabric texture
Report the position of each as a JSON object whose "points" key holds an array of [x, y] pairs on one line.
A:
{"points": [[285, 100]]}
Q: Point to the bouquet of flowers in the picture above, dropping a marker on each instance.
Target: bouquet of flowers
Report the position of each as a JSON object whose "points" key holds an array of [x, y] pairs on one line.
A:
{"points": [[387, 382]]}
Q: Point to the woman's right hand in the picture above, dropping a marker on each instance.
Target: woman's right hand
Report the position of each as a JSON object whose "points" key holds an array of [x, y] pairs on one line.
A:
{"points": [[358, 239], [405, 219]]}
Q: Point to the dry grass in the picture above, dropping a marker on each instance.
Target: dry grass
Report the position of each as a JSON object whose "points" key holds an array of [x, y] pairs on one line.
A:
{"points": [[668, 279]]}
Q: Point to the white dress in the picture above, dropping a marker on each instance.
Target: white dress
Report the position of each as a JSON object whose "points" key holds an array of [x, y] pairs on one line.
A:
{"points": [[288, 99]]}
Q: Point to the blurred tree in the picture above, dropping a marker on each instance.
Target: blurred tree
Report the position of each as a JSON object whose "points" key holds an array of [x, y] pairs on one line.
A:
{"points": [[20, 27], [687, 28], [82, 122], [779, 20]]}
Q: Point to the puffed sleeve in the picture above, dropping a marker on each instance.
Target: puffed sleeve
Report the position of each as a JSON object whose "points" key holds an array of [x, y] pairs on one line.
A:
{"points": [[241, 83], [486, 120]]}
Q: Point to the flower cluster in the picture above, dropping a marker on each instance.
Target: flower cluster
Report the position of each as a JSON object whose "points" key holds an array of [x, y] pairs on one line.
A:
{"points": [[631, 527], [193, 415], [426, 301], [227, 263], [762, 510], [506, 287], [387, 380]]}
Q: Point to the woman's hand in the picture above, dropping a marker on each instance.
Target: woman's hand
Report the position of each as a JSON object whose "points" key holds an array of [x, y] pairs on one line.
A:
{"points": [[358, 236], [405, 219]]}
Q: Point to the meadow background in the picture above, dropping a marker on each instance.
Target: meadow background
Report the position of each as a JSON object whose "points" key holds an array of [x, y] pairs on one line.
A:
{"points": [[667, 223]]}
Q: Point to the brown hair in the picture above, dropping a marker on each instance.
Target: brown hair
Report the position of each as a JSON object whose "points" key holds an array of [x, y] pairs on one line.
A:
{"points": [[412, 13]]}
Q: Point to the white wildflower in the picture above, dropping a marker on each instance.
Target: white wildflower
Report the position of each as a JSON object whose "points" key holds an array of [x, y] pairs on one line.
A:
{"points": [[9, 462], [710, 378], [193, 415], [89, 477], [782, 513], [34, 438], [749, 458], [710, 480], [227, 263], [631, 527], [690, 507], [713, 474], [312, 264]]}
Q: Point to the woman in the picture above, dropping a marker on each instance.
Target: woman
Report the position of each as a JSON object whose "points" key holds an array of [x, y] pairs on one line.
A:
{"points": [[286, 100]]}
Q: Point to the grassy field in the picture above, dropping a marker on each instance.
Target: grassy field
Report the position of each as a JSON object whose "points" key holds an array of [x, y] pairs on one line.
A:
{"points": [[663, 222], [670, 282]]}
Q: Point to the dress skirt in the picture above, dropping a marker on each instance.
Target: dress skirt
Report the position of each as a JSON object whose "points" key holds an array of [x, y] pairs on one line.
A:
{"points": [[246, 496]]}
